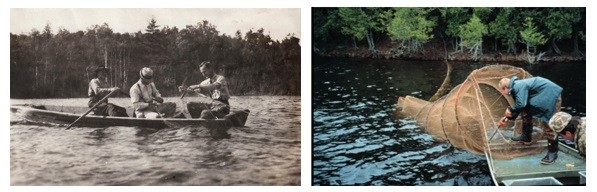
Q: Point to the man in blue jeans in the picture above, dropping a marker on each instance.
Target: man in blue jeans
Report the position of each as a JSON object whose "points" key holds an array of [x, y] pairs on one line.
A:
{"points": [[533, 97]]}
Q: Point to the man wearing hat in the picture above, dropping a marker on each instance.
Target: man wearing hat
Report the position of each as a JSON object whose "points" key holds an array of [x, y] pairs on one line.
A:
{"points": [[571, 128], [98, 89], [538, 97], [147, 100], [216, 88]]}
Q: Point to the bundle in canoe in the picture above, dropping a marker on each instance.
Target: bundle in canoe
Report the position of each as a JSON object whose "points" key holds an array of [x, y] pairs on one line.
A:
{"points": [[68, 114]]}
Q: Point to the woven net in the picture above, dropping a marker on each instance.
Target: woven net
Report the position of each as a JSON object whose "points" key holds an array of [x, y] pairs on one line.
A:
{"points": [[467, 116]]}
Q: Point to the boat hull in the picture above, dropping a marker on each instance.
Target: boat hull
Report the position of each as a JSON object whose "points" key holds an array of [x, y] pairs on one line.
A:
{"points": [[67, 115], [566, 168]]}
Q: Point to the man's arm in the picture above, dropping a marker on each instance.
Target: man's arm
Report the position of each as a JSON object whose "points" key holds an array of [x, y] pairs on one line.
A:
{"points": [[156, 94], [212, 86], [521, 98], [94, 84]]}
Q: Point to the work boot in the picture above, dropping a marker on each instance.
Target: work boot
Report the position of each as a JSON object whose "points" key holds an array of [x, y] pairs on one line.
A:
{"points": [[552, 152], [526, 136]]}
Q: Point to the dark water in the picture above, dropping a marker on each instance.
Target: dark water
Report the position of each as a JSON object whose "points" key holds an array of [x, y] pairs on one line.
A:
{"points": [[265, 152], [358, 139]]}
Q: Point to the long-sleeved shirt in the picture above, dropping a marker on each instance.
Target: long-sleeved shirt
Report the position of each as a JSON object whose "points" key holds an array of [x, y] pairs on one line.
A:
{"points": [[142, 95], [220, 92], [97, 90], [580, 137], [538, 93]]}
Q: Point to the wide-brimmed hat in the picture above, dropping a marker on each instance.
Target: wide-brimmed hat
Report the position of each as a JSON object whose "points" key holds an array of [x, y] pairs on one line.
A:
{"points": [[559, 121], [146, 73], [100, 68]]}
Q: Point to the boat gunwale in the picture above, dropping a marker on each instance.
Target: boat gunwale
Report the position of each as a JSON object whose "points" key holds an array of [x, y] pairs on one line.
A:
{"points": [[111, 117]]}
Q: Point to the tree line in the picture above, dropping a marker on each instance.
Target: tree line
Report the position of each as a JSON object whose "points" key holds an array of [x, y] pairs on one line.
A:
{"points": [[537, 31], [48, 65]]}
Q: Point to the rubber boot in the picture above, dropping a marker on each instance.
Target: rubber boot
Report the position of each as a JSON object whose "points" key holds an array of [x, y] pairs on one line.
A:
{"points": [[552, 152], [527, 133]]}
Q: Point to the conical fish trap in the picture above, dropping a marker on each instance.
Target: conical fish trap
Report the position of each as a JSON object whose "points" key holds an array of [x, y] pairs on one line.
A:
{"points": [[467, 116]]}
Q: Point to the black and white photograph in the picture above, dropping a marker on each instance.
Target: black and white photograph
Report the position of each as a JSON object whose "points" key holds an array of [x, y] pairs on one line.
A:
{"points": [[155, 96]]}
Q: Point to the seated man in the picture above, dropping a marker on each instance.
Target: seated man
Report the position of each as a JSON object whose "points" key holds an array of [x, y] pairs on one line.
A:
{"points": [[98, 89], [216, 87], [147, 100], [571, 128]]}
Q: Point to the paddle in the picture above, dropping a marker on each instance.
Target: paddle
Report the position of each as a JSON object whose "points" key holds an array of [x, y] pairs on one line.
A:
{"points": [[185, 111], [92, 108]]}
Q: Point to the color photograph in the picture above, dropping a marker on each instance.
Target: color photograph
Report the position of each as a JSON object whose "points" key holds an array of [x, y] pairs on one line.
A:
{"points": [[448, 96]]}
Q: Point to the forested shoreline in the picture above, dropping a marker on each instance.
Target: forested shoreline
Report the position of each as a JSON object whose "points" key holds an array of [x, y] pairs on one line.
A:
{"points": [[60, 65], [474, 34]]}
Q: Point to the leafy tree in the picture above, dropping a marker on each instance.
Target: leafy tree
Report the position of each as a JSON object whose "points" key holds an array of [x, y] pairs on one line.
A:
{"points": [[559, 23], [471, 35], [578, 29], [454, 17], [254, 65], [325, 20], [504, 30], [531, 36], [411, 27], [361, 23]]}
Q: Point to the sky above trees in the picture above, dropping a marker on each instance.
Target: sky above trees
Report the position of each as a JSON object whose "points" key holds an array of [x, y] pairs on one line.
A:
{"points": [[228, 21]]}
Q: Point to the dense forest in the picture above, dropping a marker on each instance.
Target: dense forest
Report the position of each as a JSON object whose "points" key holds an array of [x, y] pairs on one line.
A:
{"points": [[534, 32], [48, 65]]}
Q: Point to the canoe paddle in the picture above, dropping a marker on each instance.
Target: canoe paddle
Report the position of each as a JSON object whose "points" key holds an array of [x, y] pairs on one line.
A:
{"points": [[92, 108]]}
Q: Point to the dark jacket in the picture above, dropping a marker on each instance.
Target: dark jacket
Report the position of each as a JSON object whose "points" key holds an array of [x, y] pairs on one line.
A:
{"points": [[537, 95]]}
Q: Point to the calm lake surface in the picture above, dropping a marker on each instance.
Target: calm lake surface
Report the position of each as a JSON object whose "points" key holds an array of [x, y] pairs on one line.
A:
{"points": [[264, 152], [358, 139]]}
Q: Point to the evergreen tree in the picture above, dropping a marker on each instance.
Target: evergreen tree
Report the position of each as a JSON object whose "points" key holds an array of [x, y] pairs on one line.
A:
{"points": [[531, 36], [411, 27], [471, 35]]}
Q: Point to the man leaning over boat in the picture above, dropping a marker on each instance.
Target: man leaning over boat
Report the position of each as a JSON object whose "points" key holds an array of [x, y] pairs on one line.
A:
{"points": [[537, 97], [147, 100], [571, 128], [98, 89], [216, 88]]}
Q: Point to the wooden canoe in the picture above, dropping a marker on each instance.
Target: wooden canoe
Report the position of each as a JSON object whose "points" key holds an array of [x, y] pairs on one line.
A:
{"points": [[68, 114]]}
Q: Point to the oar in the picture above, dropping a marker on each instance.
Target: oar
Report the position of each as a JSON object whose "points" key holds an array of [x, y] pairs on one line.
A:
{"points": [[185, 111], [92, 108]]}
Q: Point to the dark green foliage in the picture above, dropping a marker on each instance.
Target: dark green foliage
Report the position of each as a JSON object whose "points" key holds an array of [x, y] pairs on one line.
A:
{"points": [[47, 65], [497, 27]]}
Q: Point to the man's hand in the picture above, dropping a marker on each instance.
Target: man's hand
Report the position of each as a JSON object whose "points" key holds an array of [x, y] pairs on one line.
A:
{"points": [[182, 89], [502, 121], [159, 100], [508, 113], [114, 89]]}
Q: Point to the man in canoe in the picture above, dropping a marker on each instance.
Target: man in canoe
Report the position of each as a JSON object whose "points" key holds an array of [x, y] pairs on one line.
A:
{"points": [[147, 100], [571, 128], [537, 97], [216, 88], [98, 89]]}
